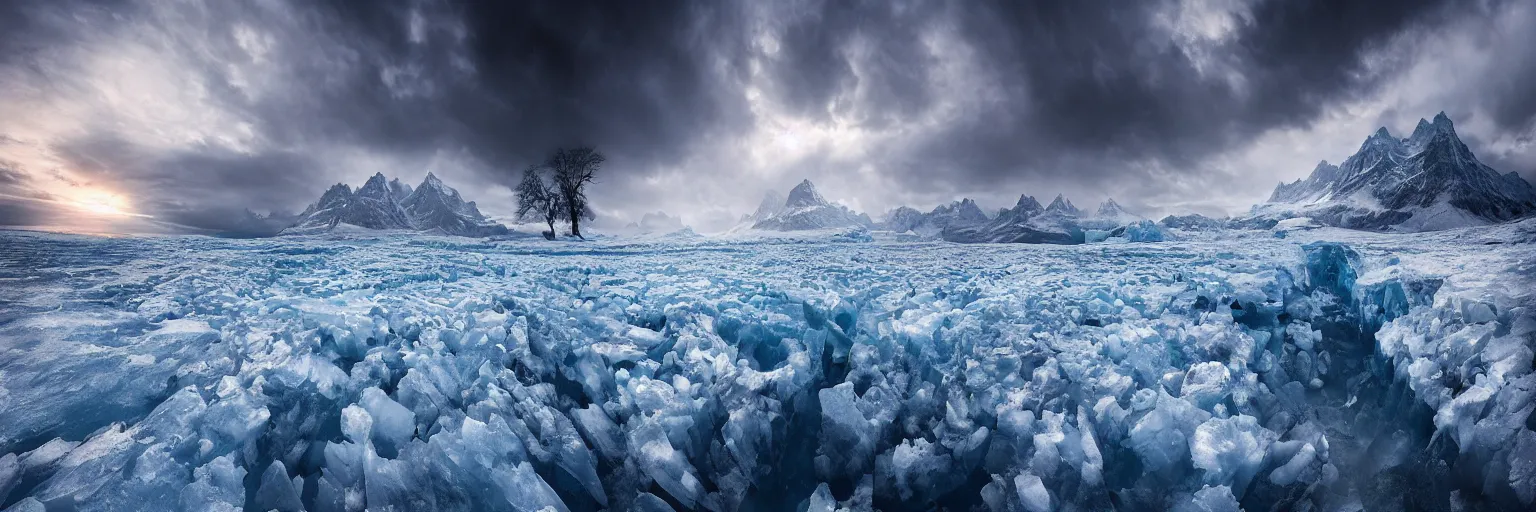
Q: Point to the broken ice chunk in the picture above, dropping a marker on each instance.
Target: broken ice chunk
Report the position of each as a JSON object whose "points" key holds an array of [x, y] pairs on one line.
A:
{"points": [[1230, 450], [1160, 437], [1206, 383], [393, 424], [1032, 493], [1210, 499], [847, 437], [655, 455], [276, 491]]}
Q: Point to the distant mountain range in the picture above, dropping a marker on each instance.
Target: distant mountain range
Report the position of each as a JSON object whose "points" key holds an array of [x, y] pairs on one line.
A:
{"points": [[1427, 181], [963, 221], [964, 212], [804, 209], [432, 206], [1060, 222], [658, 222]]}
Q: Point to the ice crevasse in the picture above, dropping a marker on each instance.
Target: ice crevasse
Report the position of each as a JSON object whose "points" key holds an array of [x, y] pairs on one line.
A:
{"points": [[390, 374]]}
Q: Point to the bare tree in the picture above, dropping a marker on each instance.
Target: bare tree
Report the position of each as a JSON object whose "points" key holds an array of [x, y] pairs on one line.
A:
{"points": [[537, 198], [574, 168]]}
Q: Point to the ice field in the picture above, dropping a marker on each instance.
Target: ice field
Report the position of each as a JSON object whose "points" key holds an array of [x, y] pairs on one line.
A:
{"points": [[1322, 370]]}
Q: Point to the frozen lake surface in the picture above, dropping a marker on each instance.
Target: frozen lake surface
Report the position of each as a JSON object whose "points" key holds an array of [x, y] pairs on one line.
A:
{"points": [[1325, 370]]}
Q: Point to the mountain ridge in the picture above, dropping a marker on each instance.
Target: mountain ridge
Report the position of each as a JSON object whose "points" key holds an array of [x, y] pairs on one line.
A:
{"points": [[806, 209], [392, 205], [1427, 181]]}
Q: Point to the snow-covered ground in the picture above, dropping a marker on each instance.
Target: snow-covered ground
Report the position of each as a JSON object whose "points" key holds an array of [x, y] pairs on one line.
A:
{"points": [[1324, 370]]}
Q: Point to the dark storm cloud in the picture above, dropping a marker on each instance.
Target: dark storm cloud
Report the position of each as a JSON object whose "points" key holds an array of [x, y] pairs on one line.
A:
{"points": [[638, 78], [280, 99], [815, 65], [1100, 86], [513, 80]]}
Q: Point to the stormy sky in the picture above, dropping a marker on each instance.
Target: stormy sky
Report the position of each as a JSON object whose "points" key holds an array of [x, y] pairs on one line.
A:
{"points": [[176, 115]]}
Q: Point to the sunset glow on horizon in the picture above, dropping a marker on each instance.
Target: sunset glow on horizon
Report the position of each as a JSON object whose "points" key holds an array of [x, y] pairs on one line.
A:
{"points": [[102, 202]]}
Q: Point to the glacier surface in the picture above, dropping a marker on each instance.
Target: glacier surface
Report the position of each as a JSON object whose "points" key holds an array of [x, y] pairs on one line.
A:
{"points": [[1326, 370]]}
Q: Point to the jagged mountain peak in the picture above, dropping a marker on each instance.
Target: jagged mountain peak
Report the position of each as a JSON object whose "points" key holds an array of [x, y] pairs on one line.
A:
{"points": [[339, 189], [1062, 205], [901, 212], [1427, 131], [1443, 124], [965, 208], [377, 180], [432, 181], [377, 187], [1430, 180], [804, 195], [1422, 130], [1110, 208], [1381, 141], [378, 204], [1027, 205], [806, 209], [964, 212]]}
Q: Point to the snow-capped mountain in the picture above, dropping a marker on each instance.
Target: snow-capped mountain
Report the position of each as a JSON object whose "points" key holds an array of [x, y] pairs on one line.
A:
{"points": [[1191, 222], [1108, 216], [658, 222], [1427, 181], [806, 209], [372, 207], [1111, 210], [1025, 208], [964, 212], [1061, 205], [431, 206], [1026, 222], [902, 219], [1060, 222], [436, 206]]}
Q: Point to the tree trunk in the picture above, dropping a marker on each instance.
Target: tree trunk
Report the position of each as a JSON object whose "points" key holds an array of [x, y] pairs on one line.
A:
{"points": [[575, 219]]}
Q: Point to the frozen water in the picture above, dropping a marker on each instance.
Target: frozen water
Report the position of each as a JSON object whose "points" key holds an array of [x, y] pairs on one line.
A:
{"points": [[1328, 370], [1033, 495]]}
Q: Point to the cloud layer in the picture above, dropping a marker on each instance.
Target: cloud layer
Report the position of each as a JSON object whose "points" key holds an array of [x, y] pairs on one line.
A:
{"points": [[192, 111]]}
